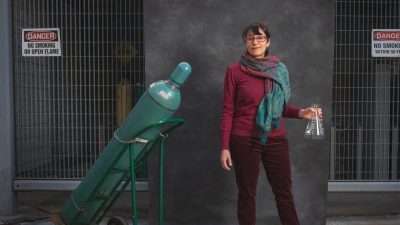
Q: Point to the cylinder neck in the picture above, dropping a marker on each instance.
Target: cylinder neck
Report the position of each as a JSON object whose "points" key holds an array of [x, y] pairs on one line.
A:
{"points": [[180, 74], [173, 85]]}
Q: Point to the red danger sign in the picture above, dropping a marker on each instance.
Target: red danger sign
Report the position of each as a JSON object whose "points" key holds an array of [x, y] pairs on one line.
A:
{"points": [[385, 43], [41, 42], [41, 36], [387, 35]]}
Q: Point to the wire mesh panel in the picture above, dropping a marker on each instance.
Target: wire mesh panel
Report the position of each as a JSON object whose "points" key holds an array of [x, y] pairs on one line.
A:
{"points": [[67, 107], [366, 94]]}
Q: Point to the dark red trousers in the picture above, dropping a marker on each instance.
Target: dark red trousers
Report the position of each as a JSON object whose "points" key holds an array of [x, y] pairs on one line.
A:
{"points": [[247, 152]]}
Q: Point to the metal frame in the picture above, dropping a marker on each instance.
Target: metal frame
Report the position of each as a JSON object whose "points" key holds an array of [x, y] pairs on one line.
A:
{"points": [[346, 186], [61, 185], [158, 142], [103, 201]]}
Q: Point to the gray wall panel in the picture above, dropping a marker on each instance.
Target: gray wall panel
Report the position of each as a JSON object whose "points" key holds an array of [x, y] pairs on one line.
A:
{"points": [[207, 35], [7, 165]]}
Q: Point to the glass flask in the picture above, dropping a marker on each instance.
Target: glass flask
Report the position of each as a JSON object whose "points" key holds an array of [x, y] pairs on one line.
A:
{"points": [[315, 128]]}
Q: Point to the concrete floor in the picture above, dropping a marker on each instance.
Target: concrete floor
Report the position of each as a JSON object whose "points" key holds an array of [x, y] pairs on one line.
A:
{"points": [[34, 207], [373, 208], [364, 220], [363, 204], [363, 208]]}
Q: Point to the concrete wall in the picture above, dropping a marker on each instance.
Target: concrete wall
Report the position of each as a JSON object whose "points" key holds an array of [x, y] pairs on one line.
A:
{"points": [[207, 34], [7, 196]]}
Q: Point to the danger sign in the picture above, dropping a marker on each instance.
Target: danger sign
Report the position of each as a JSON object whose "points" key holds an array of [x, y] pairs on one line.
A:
{"points": [[385, 43], [41, 42]]}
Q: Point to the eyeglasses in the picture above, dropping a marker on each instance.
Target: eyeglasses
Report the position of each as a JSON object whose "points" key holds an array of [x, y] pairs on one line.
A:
{"points": [[257, 38]]}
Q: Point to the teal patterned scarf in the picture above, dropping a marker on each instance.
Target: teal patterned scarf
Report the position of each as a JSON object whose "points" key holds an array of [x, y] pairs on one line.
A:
{"points": [[277, 90]]}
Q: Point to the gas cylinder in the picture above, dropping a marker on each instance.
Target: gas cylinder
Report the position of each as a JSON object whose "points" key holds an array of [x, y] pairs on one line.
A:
{"points": [[159, 102], [124, 97]]}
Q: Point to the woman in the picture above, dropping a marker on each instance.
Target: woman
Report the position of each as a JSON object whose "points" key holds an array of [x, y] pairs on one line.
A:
{"points": [[256, 93]]}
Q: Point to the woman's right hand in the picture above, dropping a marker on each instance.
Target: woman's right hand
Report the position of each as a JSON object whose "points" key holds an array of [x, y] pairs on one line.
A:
{"points": [[226, 161], [309, 113]]}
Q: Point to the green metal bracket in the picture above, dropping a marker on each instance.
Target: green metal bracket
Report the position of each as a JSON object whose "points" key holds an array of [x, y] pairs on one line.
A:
{"points": [[157, 142], [151, 145], [116, 179]]}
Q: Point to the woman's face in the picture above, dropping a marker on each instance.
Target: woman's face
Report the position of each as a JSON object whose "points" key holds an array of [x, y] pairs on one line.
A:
{"points": [[257, 44]]}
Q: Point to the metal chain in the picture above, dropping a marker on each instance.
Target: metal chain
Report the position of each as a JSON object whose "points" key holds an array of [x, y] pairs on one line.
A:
{"points": [[76, 205], [132, 140], [163, 135]]}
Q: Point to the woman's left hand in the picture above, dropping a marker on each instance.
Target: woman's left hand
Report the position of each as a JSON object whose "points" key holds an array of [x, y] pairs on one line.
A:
{"points": [[308, 113]]}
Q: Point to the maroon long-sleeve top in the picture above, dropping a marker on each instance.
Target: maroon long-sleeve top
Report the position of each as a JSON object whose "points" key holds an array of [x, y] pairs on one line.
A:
{"points": [[242, 95]]}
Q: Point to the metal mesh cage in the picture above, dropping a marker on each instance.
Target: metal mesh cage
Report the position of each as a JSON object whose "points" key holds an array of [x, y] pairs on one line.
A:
{"points": [[365, 94], [67, 107]]}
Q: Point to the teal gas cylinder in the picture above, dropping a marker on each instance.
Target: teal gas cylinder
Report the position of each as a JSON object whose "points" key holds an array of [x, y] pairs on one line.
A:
{"points": [[159, 102]]}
